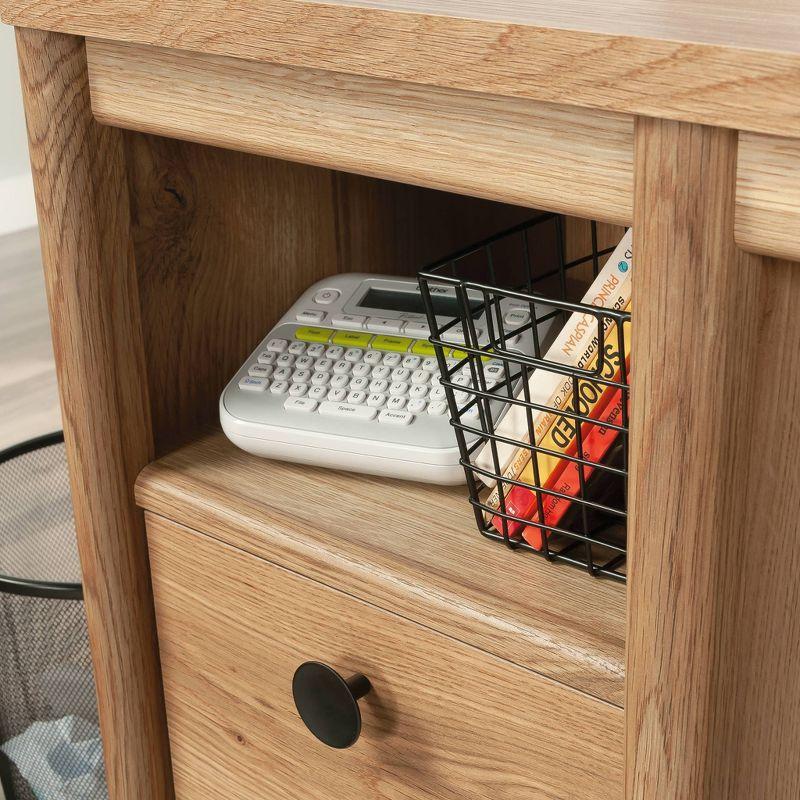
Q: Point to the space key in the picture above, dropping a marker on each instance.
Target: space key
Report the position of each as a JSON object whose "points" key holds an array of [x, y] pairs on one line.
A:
{"points": [[329, 409]]}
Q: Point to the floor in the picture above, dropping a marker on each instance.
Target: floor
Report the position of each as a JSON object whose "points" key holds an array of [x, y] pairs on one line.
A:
{"points": [[28, 393]]}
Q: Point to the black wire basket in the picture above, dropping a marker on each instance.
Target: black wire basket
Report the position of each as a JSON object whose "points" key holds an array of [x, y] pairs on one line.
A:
{"points": [[538, 396], [49, 739]]}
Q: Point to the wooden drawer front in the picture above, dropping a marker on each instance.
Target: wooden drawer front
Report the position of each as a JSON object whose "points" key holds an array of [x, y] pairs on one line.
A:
{"points": [[444, 719]]}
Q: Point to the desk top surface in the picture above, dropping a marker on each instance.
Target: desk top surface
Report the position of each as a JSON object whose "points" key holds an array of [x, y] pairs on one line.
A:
{"points": [[772, 26], [730, 63]]}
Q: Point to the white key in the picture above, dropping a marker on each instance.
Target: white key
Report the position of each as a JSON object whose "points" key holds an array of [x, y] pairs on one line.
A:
{"points": [[420, 376], [310, 317], [462, 380], [380, 373], [285, 360], [436, 379], [411, 362], [437, 409], [334, 353], [359, 384], [259, 371], [396, 403], [249, 384], [379, 387], [471, 414], [461, 397], [401, 374], [300, 404], [281, 387], [395, 417], [494, 370], [376, 400], [323, 365], [383, 325], [517, 317], [356, 398], [298, 389], [398, 389], [266, 358], [457, 335], [301, 376], [419, 330], [392, 359], [348, 321], [315, 350], [328, 409], [304, 362], [418, 390], [297, 348], [340, 381], [416, 406], [373, 357], [342, 367], [318, 392], [361, 370], [324, 297], [429, 364], [282, 374], [437, 394], [320, 378], [337, 395], [353, 354], [277, 345]]}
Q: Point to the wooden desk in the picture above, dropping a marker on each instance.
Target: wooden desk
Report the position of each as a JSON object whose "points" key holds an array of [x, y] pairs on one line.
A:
{"points": [[166, 259]]}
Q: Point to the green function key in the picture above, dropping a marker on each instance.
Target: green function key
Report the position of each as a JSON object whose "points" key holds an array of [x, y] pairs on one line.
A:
{"points": [[351, 338], [423, 348], [395, 344], [307, 334]]}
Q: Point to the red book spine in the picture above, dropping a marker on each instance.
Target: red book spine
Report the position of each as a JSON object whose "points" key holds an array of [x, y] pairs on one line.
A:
{"points": [[522, 502], [597, 441]]}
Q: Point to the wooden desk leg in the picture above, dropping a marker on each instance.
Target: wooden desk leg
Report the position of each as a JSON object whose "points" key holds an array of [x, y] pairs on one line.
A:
{"points": [[81, 194], [713, 698]]}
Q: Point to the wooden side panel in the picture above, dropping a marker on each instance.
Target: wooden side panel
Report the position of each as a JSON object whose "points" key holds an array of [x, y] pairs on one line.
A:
{"points": [[768, 195], [444, 721], [226, 241], [715, 484], [513, 150], [81, 194]]}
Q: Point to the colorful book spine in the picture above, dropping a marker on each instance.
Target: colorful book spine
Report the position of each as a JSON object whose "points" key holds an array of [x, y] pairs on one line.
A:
{"points": [[560, 437], [597, 439], [575, 346]]}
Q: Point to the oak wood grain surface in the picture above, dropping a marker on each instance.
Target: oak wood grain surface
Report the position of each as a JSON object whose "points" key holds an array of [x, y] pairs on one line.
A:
{"points": [[87, 250], [576, 161], [712, 708], [443, 719], [407, 547], [226, 241], [510, 149], [768, 195], [733, 65]]}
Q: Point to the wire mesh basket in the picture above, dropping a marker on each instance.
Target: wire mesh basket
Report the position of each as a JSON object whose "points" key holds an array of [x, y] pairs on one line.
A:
{"points": [[538, 394], [49, 740]]}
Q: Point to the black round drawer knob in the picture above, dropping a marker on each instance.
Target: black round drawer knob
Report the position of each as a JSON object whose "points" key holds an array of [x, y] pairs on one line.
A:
{"points": [[328, 704]]}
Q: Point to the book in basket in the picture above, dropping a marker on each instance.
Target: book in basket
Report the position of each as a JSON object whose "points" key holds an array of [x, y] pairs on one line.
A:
{"points": [[561, 436], [575, 346], [565, 483]]}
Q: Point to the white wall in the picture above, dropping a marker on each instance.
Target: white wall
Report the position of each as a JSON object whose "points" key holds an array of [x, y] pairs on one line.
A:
{"points": [[17, 209]]}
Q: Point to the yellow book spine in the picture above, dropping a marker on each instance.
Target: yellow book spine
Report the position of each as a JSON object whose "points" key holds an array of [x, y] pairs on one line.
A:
{"points": [[562, 430]]}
